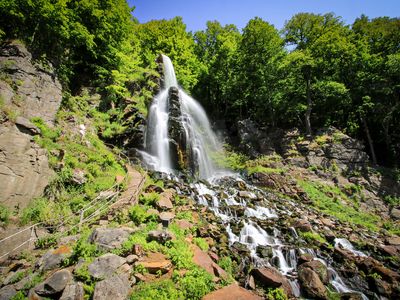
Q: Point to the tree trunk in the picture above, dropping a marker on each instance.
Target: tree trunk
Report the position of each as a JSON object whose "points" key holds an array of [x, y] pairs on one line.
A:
{"points": [[307, 114], [370, 143]]}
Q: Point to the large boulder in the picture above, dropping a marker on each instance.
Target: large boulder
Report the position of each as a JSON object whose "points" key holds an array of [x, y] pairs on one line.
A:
{"points": [[54, 284], [232, 292], [105, 265], [115, 287], [311, 284], [27, 90], [110, 238]]}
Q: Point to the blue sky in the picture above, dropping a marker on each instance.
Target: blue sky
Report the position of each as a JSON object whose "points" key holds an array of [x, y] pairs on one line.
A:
{"points": [[196, 13]]}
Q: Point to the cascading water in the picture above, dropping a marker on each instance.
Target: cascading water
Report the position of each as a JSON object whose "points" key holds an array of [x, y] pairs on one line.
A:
{"points": [[244, 214], [182, 137]]}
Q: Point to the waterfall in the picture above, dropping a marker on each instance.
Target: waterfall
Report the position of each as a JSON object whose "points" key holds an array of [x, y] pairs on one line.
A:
{"points": [[179, 134]]}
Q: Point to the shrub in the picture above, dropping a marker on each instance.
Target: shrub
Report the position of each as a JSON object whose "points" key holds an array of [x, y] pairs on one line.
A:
{"points": [[160, 290], [196, 283], [149, 198], [4, 214], [203, 245], [276, 294]]}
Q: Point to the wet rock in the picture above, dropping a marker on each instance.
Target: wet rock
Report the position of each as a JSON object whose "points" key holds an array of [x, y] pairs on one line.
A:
{"points": [[247, 195], [232, 292], [154, 188], [54, 284], [311, 284], [110, 238], [105, 265], [303, 258], [155, 262], [53, 258], [241, 248], [115, 287], [73, 291], [319, 268], [7, 292], [161, 236], [351, 296], [264, 251]]}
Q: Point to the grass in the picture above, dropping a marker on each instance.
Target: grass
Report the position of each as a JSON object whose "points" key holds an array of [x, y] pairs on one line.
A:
{"points": [[312, 237], [333, 201], [4, 215]]}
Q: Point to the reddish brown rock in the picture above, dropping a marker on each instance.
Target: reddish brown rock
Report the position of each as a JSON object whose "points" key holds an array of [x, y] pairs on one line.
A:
{"points": [[232, 292], [271, 277], [203, 260], [155, 262], [319, 268], [165, 201], [302, 225], [311, 284], [183, 224]]}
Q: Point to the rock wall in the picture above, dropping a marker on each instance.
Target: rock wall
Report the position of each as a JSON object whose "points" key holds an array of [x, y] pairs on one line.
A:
{"points": [[26, 90]]}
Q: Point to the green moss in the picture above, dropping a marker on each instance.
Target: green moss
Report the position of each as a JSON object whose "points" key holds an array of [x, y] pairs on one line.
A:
{"points": [[276, 294], [261, 169], [312, 237]]}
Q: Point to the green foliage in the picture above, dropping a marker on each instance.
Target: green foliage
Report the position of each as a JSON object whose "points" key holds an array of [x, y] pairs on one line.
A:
{"points": [[139, 215], [46, 242], [195, 284], [276, 294], [228, 265], [392, 200], [230, 159], [44, 210], [201, 243], [4, 215], [339, 205], [20, 295], [162, 290], [312, 237], [149, 199], [83, 250], [17, 277]]}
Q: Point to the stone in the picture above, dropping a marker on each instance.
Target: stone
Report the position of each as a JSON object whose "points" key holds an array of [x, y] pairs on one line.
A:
{"points": [[351, 296], [54, 284], [7, 292], [110, 238], [395, 213], [53, 258], [105, 265], [304, 258], [232, 292], [33, 296], [311, 284], [130, 259], [161, 236], [155, 262], [24, 125], [165, 200], [302, 225], [394, 241], [73, 291], [78, 176], [264, 251], [319, 268], [115, 287], [183, 224], [24, 168], [248, 195], [271, 277], [166, 218]]}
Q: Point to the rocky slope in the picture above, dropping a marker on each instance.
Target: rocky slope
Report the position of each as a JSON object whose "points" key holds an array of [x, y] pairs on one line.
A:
{"points": [[27, 90]]}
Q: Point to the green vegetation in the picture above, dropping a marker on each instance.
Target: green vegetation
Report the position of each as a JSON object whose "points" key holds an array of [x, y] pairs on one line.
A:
{"points": [[4, 215], [334, 202], [312, 237], [201, 243], [276, 294]]}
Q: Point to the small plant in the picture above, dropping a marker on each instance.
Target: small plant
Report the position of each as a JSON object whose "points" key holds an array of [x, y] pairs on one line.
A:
{"points": [[4, 215], [46, 242], [138, 214], [83, 250], [195, 284], [149, 199], [374, 276], [17, 277], [201, 243], [276, 294], [160, 290]]}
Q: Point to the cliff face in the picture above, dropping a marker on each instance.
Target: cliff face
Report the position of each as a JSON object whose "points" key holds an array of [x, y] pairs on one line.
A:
{"points": [[26, 91]]}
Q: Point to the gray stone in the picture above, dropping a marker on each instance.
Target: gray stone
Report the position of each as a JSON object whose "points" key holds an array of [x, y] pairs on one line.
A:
{"points": [[37, 92], [54, 284], [7, 292], [395, 213], [73, 291], [161, 236], [105, 265], [53, 258], [132, 258], [115, 288], [26, 126], [110, 238], [24, 168]]}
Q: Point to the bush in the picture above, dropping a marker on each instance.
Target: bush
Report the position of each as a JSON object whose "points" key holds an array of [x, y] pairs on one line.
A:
{"points": [[160, 290], [4, 214], [149, 199], [138, 214], [196, 283]]}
